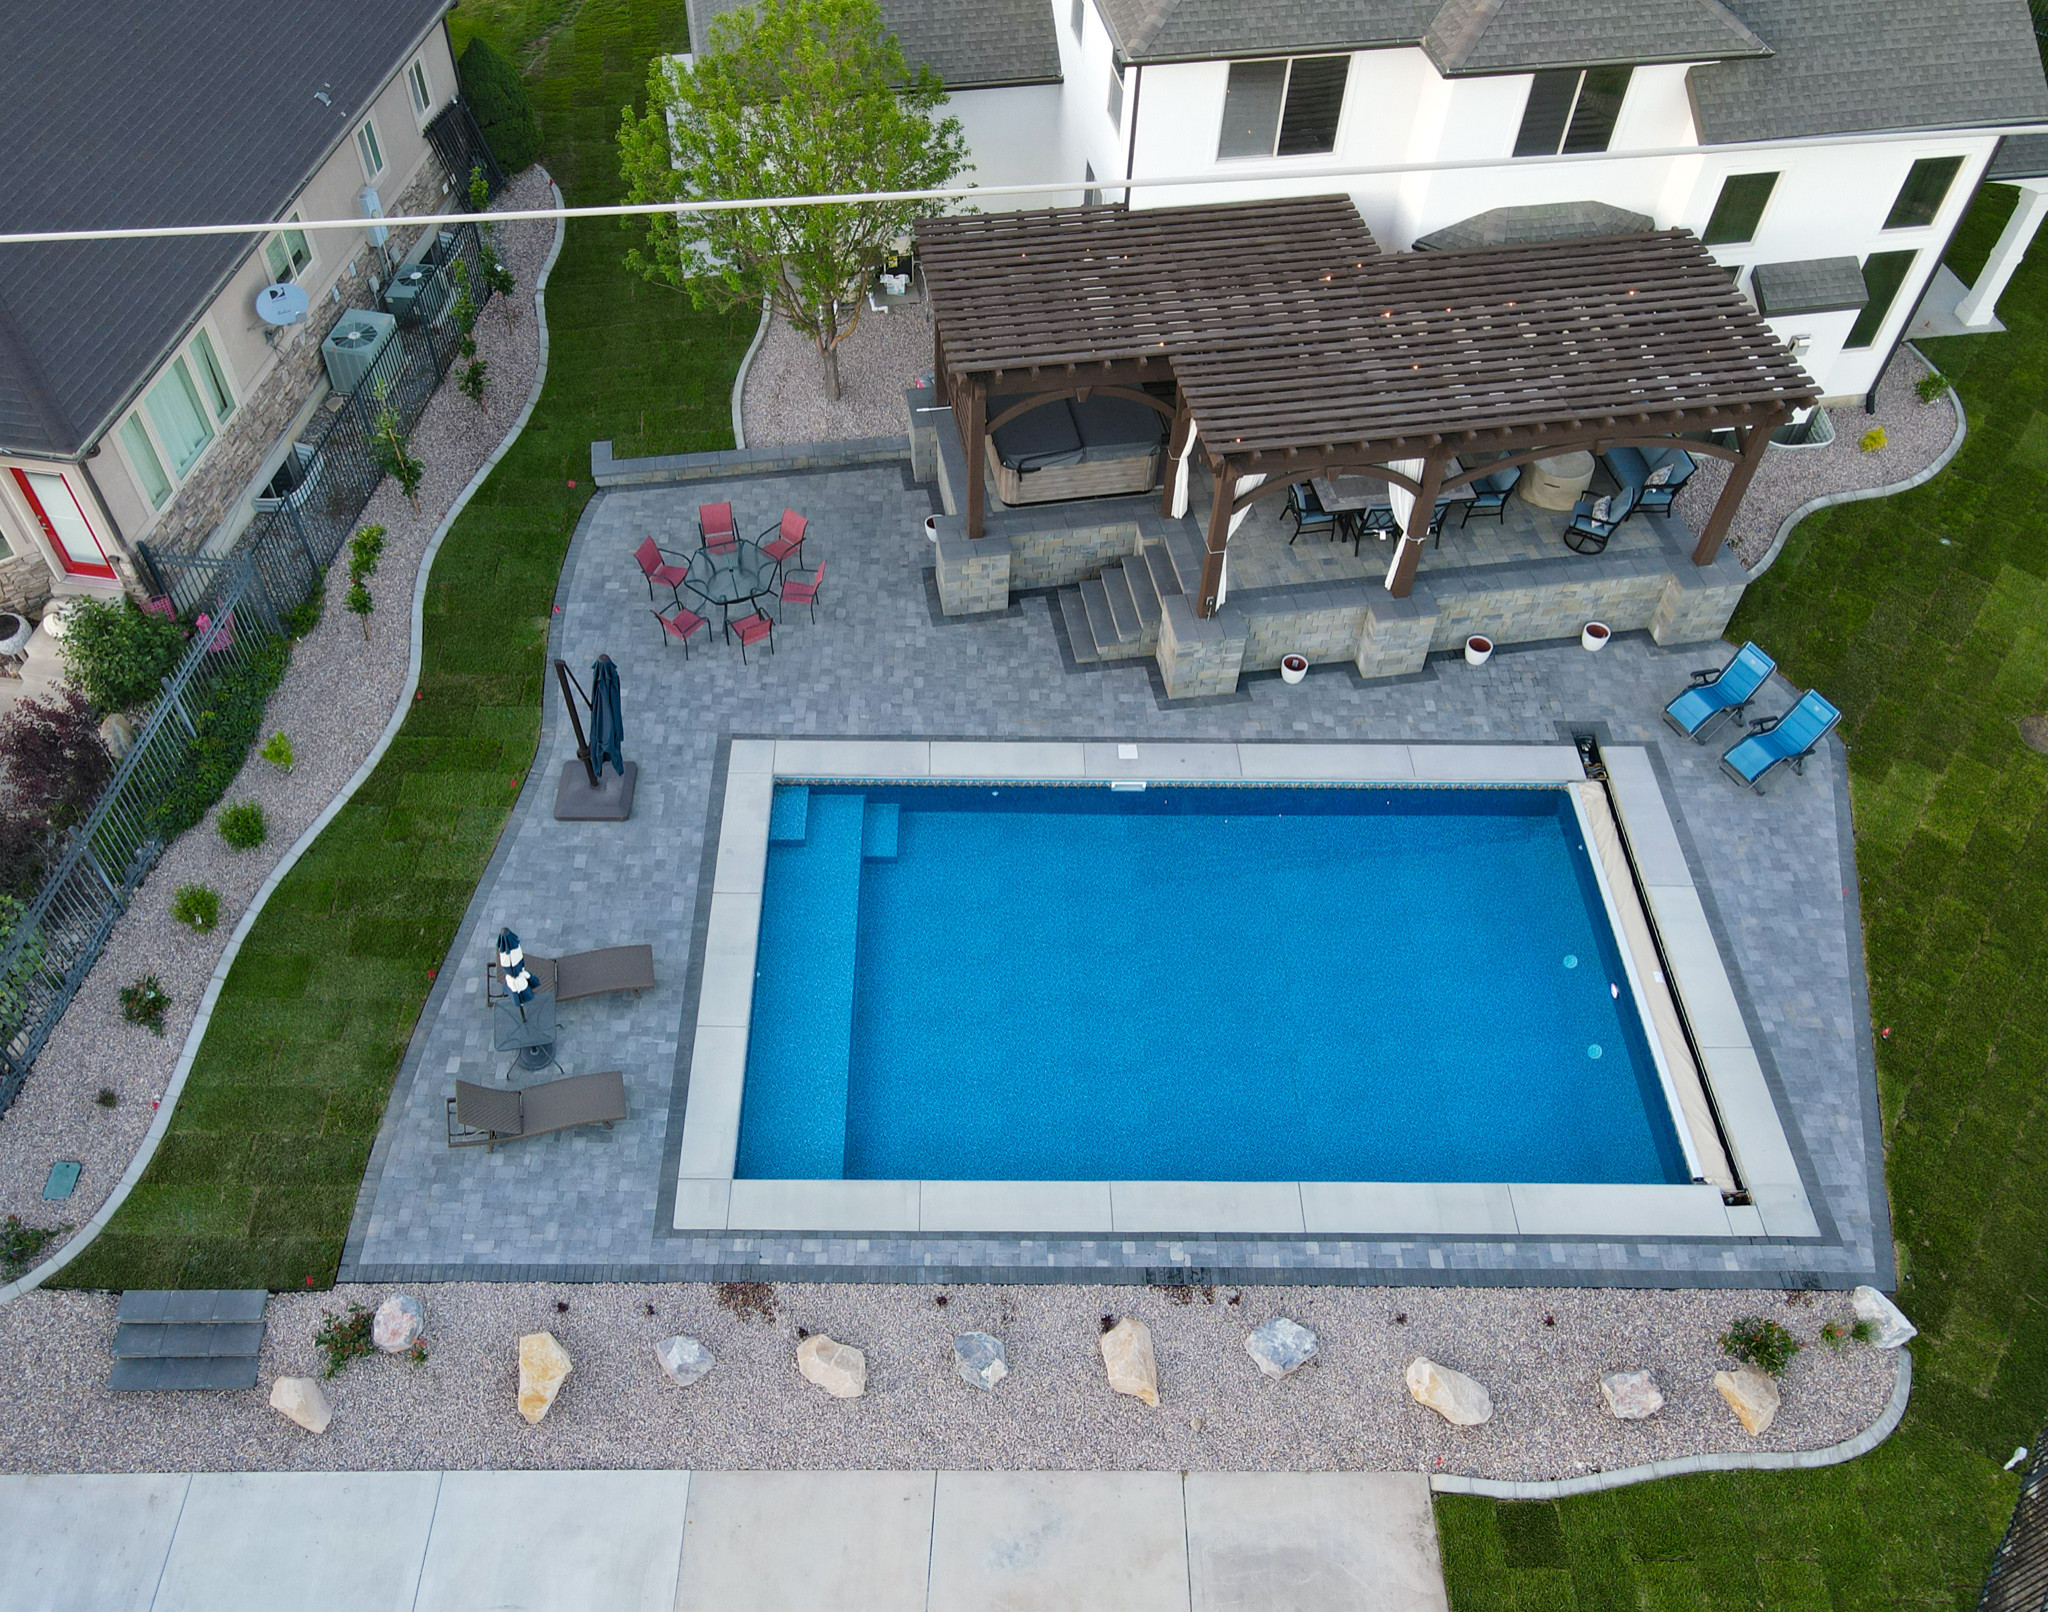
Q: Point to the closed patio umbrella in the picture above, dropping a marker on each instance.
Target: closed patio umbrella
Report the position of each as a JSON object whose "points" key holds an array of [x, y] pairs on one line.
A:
{"points": [[607, 723]]}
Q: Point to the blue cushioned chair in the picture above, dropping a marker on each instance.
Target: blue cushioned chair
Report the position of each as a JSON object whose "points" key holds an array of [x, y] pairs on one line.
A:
{"points": [[1791, 737], [1717, 693], [1306, 510], [1490, 495], [1655, 474], [1594, 520]]}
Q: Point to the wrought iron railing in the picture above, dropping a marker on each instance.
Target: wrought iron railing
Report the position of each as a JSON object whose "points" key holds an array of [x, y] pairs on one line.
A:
{"points": [[2018, 1581]]}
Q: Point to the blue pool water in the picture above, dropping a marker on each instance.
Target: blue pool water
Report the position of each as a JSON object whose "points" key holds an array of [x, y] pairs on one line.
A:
{"points": [[1192, 983]]}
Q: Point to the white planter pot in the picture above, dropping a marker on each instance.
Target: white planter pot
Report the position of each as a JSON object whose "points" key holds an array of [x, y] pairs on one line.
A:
{"points": [[931, 528], [15, 632], [1293, 668], [1478, 650], [1594, 635]]}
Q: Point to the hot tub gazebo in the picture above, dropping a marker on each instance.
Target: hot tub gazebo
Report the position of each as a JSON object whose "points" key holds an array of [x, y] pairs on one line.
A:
{"points": [[1278, 338]]}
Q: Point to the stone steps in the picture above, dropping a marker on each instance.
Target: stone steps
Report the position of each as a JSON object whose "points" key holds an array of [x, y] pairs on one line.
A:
{"points": [[1080, 637], [1186, 555], [191, 1339], [1110, 639]]}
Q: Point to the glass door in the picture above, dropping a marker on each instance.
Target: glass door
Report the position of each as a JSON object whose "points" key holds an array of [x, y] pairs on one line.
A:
{"points": [[63, 520]]}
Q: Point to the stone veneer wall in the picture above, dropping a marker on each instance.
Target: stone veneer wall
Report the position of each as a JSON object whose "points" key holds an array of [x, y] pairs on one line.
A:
{"points": [[25, 584], [269, 409]]}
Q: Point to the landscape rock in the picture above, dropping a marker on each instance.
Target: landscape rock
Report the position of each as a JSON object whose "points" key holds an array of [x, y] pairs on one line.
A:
{"points": [[838, 1368], [1751, 1395], [1631, 1396], [1281, 1346], [980, 1359], [398, 1324], [1893, 1329], [304, 1401], [1127, 1357], [1457, 1398], [543, 1367], [683, 1359]]}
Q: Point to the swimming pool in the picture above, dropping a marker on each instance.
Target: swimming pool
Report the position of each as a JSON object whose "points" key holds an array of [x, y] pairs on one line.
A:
{"points": [[1192, 983]]}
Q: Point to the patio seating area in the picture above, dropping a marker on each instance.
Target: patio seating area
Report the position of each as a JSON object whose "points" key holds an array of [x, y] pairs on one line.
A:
{"points": [[725, 571]]}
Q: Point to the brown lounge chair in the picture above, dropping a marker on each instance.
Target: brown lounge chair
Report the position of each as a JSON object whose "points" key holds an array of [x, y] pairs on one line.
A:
{"points": [[614, 968], [483, 1116]]}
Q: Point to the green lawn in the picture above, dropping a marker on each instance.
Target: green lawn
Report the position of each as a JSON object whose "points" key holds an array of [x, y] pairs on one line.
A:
{"points": [[256, 1180], [1932, 651]]}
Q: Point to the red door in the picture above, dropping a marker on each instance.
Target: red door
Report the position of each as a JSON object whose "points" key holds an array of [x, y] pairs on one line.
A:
{"points": [[70, 534]]}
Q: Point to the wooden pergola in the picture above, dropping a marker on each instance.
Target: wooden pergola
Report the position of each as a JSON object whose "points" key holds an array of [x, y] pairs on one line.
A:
{"points": [[1295, 348]]}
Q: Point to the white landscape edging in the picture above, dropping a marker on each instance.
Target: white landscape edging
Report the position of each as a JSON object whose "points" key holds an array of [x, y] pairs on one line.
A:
{"points": [[739, 381], [1680, 1466], [169, 1101]]}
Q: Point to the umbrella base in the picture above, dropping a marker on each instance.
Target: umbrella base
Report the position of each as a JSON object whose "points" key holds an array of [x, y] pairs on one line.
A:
{"points": [[610, 802]]}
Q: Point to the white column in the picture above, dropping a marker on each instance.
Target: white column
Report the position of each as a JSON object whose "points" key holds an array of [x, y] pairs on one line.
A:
{"points": [[1980, 303]]}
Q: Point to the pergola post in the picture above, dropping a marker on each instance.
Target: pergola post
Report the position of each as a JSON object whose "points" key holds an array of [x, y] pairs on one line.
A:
{"points": [[1219, 537], [1418, 526], [1176, 445], [939, 386], [977, 456], [1755, 440]]}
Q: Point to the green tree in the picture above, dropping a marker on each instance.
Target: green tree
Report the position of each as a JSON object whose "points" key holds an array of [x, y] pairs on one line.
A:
{"points": [[793, 98], [500, 104]]}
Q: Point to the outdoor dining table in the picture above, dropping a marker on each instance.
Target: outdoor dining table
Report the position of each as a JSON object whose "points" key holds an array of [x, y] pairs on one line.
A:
{"points": [[1355, 499], [736, 574]]}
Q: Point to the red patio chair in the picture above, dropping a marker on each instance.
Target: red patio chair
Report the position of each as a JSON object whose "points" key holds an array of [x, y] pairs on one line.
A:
{"points": [[789, 538], [715, 526], [218, 638], [805, 593], [158, 605], [680, 627], [655, 567], [751, 630]]}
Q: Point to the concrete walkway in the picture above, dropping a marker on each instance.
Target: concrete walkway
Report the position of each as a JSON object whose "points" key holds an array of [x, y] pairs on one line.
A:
{"points": [[722, 1541]]}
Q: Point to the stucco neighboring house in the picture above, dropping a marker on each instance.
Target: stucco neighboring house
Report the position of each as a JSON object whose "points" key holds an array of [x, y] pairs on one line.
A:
{"points": [[140, 394]]}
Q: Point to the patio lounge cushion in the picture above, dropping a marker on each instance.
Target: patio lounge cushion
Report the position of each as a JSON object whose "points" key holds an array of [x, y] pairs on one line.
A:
{"points": [[1038, 437], [1654, 467], [1737, 685], [1117, 428]]}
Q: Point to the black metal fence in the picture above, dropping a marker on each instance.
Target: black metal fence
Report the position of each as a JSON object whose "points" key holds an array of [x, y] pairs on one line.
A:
{"points": [[195, 738], [292, 542], [462, 148], [2018, 1581]]}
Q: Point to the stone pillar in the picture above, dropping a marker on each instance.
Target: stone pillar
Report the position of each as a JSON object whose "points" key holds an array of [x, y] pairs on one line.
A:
{"points": [[1395, 635], [974, 576], [1198, 655], [1979, 307]]}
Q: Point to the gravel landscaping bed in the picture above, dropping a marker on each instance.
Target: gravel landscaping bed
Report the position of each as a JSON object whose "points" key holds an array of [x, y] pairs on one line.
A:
{"points": [[1055, 1411], [334, 700], [1916, 433], [784, 397]]}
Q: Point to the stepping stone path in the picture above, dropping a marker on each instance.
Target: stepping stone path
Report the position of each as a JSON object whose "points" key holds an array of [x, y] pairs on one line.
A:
{"points": [[980, 1359], [199, 1338]]}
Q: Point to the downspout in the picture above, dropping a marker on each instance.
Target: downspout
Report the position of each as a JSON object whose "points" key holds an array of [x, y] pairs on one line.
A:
{"points": [[1941, 257], [1131, 135]]}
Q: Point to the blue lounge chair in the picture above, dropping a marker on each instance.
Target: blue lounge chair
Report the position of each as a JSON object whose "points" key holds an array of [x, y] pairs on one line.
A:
{"points": [[1715, 694], [1595, 520], [1791, 737]]}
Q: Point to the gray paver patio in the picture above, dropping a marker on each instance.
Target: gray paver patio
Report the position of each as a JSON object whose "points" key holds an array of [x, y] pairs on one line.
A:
{"points": [[881, 662]]}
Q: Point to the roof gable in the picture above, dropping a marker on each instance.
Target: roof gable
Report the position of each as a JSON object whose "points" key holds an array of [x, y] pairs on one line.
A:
{"points": [[1490, 36]]}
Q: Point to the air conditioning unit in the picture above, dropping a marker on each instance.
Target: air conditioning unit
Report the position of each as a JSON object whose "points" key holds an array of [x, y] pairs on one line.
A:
{"points": [[416, 293], [354, 345]]}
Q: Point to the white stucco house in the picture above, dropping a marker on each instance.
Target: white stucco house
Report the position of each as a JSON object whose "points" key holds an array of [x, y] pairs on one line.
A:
{"points": [[1824, 149]]}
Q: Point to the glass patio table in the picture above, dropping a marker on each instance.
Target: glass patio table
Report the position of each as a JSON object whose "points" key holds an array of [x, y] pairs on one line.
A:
{"points": [[738, 574]]}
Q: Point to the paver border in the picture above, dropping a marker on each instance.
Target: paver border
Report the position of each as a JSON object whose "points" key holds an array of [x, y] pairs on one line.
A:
{"points": [[167, 1104]]}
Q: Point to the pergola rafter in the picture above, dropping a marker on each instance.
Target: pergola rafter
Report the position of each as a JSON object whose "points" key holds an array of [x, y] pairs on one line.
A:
{"points": [[1297, 347]]}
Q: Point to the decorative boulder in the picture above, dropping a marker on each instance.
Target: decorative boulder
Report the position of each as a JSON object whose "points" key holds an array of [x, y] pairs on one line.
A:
{"points": [[1127, 1357], [1281, 1346], [398, 1324], [1631, 1396], [838, 1368], [543, 1367], [304, 1401], [1893, 1329], [980, 1359], [683, 1359], [1751, 1395], [1457, 1398]]}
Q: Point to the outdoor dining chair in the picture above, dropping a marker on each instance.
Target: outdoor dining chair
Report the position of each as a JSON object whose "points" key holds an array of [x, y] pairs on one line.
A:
{"points": [[715, 526], [1595, 520], [805, 593], [751, 630], [1772, 739], [1306, 510], [789, 538], [655, 567], [1490, 495], [680, 627], [1718, 692]]}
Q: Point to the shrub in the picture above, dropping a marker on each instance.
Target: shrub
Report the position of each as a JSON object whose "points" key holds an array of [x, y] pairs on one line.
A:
{"points": [[474, 377], [20, 1244], [119, 655], [15, 997], [197, 906], [503, 109], [244, 826], [54, 766], [225, 715], [108, 1097], [1930, 386], [1872, 440], [303, 617], [1761, 1343], [388, 443], [344, 1337], [278, 750], [144, 1002]]}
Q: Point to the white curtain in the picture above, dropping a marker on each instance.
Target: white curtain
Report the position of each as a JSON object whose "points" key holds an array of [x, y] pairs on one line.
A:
{"points": [[1244, 485], [1402, 502], [1182, 474]]}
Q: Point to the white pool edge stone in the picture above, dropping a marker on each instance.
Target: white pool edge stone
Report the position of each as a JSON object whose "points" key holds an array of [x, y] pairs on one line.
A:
{"points": [[708, 1198]]}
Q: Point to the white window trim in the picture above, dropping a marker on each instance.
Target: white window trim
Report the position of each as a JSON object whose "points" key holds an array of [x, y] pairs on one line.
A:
{"points": [[300, 272], [418, 84], [365, 147], [166, 462], [1286, 85]]}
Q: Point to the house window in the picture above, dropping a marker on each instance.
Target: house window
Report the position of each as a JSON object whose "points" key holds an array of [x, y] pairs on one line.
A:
{"points": [[1739, 209], [287, 253], [179, 417], [63, 521], [369, 150], [148, 468], [1116, 96], [213, 378], [416, 82], [1572, 110], [1921, 196], [1283, 109], [1883, 274], [1075, 17]]}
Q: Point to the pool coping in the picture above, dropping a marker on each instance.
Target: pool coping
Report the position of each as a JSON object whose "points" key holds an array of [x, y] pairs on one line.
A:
{"points": [[707, 1197]]}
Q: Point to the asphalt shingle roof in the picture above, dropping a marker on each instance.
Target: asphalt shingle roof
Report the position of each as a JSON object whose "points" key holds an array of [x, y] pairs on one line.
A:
{"points": [[1851, 67], [1489, 36], [971, 44], [129, 112]]}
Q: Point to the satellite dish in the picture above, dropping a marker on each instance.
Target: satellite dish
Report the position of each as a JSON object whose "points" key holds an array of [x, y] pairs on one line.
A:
{"points": [[282, 304]]}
